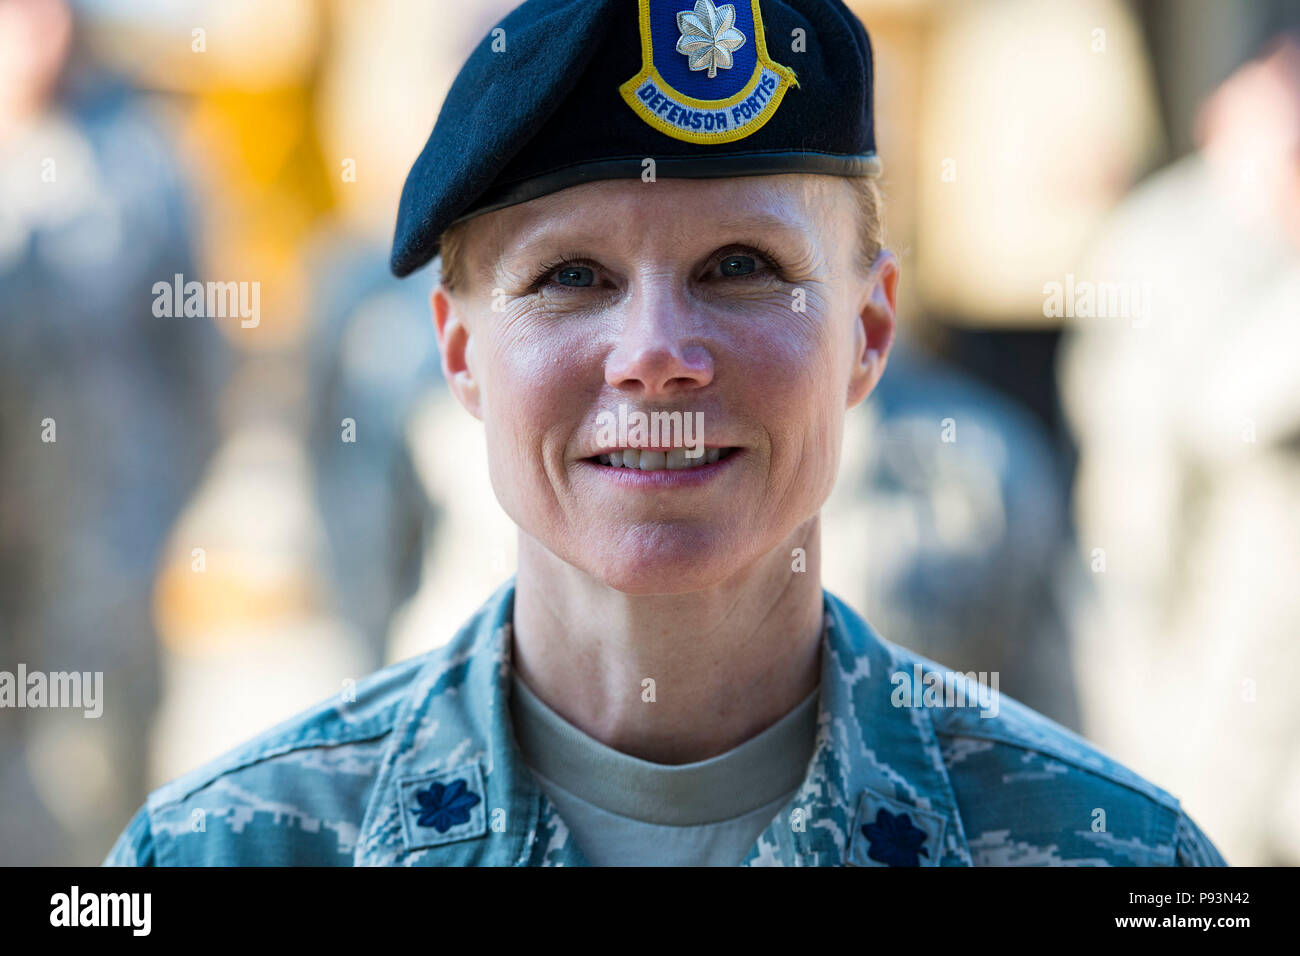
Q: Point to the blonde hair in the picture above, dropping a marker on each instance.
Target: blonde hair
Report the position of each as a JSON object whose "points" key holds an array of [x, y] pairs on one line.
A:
{"points": [[871, 235], [871, 219]]}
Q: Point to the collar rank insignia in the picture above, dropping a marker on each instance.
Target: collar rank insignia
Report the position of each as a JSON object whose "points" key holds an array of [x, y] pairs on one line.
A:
{"points": [[888, 832], [895, 840], [442, 807], [705, 73]]}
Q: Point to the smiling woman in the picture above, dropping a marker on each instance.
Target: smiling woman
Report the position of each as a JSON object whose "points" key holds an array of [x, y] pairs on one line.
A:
{"points": [[734, 299], [664, 681]]}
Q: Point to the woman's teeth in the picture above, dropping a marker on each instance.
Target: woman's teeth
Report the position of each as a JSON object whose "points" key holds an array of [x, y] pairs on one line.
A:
{"points": [[675, 460]]}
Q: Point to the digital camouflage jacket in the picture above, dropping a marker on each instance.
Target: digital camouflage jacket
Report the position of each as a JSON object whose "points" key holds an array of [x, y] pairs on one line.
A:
{"points": [[422, 768]]}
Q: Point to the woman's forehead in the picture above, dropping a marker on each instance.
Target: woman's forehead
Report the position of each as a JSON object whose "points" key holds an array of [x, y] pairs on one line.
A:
{"points": [[609, 209]]}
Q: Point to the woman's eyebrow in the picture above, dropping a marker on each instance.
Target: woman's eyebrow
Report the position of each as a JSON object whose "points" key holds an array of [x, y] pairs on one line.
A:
{"points": [[765, 222], [541, 236], [567, 234], [570, 231]]}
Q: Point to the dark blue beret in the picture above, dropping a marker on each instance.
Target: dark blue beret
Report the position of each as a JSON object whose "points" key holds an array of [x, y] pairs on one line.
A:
{"points": [[563, 92]]}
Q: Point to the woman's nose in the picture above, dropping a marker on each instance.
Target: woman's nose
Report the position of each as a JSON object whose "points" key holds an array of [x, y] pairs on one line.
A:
{"points": [[659, 349]]}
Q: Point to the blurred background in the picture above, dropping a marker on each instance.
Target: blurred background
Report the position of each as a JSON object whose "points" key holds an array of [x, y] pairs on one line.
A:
{"points": [[1082, 469]]}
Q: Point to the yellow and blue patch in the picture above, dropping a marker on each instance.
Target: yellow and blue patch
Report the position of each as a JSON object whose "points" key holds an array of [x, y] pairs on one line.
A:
{"points": [[706, 76]]}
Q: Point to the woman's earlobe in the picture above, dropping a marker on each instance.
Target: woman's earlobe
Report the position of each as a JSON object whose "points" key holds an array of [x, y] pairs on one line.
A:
{"points": [[867, 372]]}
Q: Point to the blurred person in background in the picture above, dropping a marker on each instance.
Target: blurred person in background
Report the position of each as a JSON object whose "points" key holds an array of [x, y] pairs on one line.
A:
{"points": [[1188, 492], [106, 420], [284, 570], [963, 484], [372, 355], [962, 463]]}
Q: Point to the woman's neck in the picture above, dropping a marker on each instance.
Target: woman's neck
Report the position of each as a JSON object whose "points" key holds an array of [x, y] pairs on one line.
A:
{"points": [[671, 678]]}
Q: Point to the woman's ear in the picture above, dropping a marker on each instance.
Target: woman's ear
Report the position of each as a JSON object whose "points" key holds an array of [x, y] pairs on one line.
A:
{"points": [[873, 330], [456, 345]]}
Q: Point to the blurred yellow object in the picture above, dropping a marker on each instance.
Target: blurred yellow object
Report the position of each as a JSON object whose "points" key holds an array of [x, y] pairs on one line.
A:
{"points": [[198, 46], [1038, 118], [197, 613], [243, 555], [258, 153]]}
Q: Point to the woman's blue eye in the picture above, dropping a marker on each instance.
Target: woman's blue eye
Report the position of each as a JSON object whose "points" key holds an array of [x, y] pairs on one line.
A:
{"points": [[738, 265], [575, 276]]}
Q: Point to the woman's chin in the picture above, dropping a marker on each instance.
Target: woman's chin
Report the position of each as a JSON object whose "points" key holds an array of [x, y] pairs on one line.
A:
{"points": [[659, 572]]}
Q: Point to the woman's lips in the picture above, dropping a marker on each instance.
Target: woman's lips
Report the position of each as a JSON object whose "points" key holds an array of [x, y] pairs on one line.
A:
{"points": [[661, 474]]}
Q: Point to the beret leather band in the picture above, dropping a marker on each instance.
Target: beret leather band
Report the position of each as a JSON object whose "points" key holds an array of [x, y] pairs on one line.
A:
{"points": [[681, 167]]}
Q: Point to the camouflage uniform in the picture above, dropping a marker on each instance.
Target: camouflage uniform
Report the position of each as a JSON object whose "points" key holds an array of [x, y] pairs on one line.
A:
{"points": [[422, 768]]}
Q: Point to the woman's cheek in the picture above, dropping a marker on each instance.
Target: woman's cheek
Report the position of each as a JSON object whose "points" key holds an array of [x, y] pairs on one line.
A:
{"points": [[542, 342], [536, 403], [795, 326], [786, 365]]}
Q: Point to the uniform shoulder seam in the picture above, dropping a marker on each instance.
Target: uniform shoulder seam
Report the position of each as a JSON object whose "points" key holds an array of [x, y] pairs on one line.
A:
{"points": [[292, 735], [995, 730], [1136, 783], [161, 800]]}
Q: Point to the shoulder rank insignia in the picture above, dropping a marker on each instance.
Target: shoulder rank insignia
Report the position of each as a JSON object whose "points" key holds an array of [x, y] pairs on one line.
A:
{"points": [[705, 73]]}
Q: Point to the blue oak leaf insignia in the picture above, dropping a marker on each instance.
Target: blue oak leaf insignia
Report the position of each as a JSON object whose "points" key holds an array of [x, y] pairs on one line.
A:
{"points": [[895, 840], [442, 807], [709, 36]]}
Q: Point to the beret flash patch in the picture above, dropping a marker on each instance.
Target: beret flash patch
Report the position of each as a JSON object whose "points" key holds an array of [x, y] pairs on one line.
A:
{"points": [[705, 73]]}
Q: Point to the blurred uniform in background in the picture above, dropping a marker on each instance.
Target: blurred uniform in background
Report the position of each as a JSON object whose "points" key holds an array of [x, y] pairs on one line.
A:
{"points": [[1188, 493], [314, 512], [948, 528], [106, 420]]}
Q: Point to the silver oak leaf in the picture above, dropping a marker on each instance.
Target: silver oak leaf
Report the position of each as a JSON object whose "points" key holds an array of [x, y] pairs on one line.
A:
{"points": [[709, 36]]}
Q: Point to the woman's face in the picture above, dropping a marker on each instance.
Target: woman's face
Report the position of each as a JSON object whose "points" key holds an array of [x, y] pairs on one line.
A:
{"points": [[735, 302]]}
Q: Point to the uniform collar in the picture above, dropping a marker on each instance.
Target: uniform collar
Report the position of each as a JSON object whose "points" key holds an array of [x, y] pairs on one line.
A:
{"points": [[876, 792], [453, 789]]}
